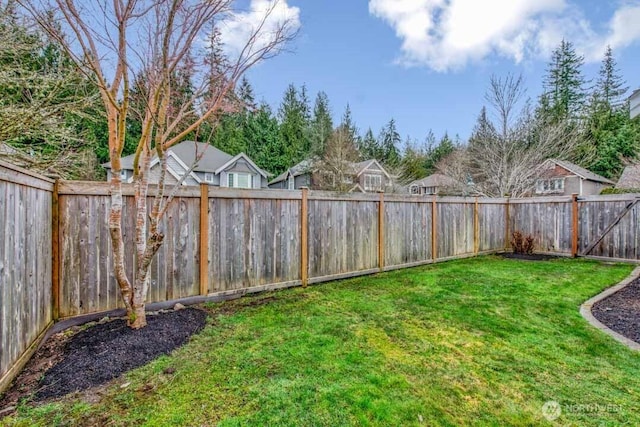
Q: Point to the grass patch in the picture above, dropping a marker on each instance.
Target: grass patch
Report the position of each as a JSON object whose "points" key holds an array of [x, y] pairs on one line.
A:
{"points": [[485, 341]]}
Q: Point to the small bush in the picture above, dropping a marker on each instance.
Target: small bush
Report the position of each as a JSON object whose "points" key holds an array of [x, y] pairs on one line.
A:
{"points": [[522, 244]]}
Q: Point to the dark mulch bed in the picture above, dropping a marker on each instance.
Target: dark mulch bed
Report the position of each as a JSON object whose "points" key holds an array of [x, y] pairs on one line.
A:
{"points": [[621, 311], [531, 257], [100, 353]]}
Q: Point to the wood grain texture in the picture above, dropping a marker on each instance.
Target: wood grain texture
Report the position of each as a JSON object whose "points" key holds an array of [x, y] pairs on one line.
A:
{"points": [[549, 223], [26, 202], [622, 241], [87, 283], [343, 236], [408, 233], [253, 242], [454, 228]]}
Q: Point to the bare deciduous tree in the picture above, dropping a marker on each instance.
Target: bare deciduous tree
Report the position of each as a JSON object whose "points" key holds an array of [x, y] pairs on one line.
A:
{"points": [[335, 170], [114, 40], [503, 156]]}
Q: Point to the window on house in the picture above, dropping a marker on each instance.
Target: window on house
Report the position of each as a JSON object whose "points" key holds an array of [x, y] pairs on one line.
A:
{"points": [[431, 190], [291, 183], [415, 189], [208, 177], [240, 180], [123, 175], [554, 185], [372, 182]]}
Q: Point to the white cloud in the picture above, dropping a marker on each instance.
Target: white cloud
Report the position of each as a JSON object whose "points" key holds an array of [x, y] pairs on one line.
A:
{"points": [[263, 17], [449, 34]]}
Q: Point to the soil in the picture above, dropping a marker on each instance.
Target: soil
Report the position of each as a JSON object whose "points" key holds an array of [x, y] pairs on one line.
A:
{"points": [[621, 311], [95, 355], [529, 257]]}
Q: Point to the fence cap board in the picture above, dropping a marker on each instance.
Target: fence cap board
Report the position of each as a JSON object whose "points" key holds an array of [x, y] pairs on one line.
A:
{"points": [[334, 195], [627, 197], [102, 188], [17, 175], [262, 193], [543, 199]]}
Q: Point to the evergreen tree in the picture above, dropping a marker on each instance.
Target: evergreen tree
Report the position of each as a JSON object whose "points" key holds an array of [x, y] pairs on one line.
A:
{"points": [[413, 163], [264, 144], [389, 140], [610, 86], [246, 95], [435, 154], [321, 124], [369, 147], [294, 124], [609, 129], [44, 101], [349, 125], [483, 129], [564, 85]]}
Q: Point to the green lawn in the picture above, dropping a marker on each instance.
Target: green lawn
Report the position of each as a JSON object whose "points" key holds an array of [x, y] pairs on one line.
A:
{"points": [[484, 341]]}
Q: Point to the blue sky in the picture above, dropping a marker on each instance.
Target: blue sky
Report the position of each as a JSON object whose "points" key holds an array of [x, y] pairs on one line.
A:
{"points": [[427, 63]]}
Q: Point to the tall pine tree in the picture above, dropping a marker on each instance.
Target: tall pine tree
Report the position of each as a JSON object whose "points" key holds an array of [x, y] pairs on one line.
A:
{"points": [[564, 85], [294, 123], [321, 124], [389, 140]]}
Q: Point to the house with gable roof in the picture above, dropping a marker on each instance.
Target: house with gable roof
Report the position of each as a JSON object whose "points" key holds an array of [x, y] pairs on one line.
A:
{"points": [[368, 176], [202, 163], [563, 178]]}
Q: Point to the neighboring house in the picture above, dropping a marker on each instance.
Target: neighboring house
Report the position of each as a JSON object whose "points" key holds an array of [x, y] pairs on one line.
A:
{"points": [[367, 176], [295, 177], [560, 177], [634, 104], [434, 184], [630, 179], [212, 166]]}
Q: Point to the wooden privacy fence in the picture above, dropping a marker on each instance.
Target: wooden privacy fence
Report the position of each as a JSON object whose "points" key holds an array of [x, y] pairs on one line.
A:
{"points": [[55, 249], [26, 206], [225, 241]]}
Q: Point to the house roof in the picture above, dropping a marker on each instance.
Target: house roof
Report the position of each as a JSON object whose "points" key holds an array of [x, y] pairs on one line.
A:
{"points": [[435, 180], [635, 93], [188, 151], [297, 170], [581, 172], [307, 164], [362, 166], [630, 178]]}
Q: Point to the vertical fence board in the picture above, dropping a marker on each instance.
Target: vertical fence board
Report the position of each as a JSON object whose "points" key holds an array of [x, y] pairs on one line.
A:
{"points": [[26, 255], [407, 233]]}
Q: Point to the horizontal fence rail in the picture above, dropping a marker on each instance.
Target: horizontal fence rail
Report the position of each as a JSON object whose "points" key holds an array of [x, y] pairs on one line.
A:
{"points": [[56, 261]]}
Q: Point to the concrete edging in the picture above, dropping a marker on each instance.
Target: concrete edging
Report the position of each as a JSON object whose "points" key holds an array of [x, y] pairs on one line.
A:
{"points": [[585, 311]]}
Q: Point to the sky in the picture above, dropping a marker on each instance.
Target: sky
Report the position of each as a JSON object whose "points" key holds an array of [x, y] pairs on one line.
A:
{"points": [[427, 63]]}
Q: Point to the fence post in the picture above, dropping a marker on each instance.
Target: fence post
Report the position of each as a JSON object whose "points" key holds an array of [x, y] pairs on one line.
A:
{"points": [[575, 226], [304, 237], [204, 239], [507, 221], [55, 251], [381, 232], [476, 228], [434, 239]]}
